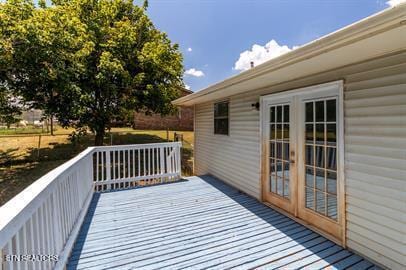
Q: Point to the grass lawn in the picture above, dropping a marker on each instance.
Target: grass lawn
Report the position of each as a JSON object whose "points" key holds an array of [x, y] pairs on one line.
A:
{"points": [[21, 163], [29, 130]]}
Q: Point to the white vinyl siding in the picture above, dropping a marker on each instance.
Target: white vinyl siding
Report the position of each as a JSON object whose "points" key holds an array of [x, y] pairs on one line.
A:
{"points": [[375, 135], [375, 152], [232, 158]]}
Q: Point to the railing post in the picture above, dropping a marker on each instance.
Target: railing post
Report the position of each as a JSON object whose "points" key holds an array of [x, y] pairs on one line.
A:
{"points": [[97, 166], [178, 154], [91, 168], [108, 169]]}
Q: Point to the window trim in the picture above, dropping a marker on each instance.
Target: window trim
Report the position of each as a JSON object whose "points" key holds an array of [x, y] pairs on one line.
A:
{"points": [[221, 117]]}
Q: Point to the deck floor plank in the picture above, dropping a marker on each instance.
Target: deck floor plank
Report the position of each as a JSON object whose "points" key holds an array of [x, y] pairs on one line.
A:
{"points": [[198, 223]]}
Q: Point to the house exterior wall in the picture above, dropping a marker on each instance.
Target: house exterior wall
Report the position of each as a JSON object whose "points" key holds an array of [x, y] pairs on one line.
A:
{"points": [[375, 151], [183, 120]]}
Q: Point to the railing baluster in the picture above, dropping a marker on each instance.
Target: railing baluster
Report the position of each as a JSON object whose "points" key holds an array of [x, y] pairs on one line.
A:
{"points": [[57, 224], [61, 211], [108, 168], [156, 161], [103, 166], [24, 243], [151, 165], [67, 199], [173, 159], [122, 154], [119, 164], [172, 163], [180, 161], [133, 175], [10, 252], [114, 163], [97, 166], [161, 161], [32, 241], [41, 249], [128, 164], [148, 150], [124, 163], [143, 161], [37, 234], [17, 247], [138, 163], [166, 160], [48, 231], [152, 162]]}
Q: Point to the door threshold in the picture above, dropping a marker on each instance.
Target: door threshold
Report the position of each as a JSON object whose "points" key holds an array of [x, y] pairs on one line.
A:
{"points": [[304, 223]]}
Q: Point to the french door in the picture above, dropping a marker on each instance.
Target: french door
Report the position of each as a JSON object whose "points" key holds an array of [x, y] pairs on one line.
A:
{"points": [[302, 136]]}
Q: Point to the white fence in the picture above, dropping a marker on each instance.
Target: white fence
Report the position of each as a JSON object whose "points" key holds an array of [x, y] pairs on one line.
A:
{"points": [[38, 227]]}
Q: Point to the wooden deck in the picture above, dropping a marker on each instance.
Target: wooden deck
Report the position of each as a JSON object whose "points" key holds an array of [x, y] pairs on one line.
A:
{"points": [[198, 223]]}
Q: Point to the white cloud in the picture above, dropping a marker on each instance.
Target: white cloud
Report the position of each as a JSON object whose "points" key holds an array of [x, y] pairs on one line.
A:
{"points": [[259, 54], [393, 3], [194, 72], [189, 49], [187, 86]]}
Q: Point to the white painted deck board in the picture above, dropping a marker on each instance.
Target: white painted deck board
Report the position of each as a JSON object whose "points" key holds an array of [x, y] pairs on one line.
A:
{"points": [[198, 223]]}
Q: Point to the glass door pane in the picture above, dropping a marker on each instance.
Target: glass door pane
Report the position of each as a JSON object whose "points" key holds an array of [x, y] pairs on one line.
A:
{"points": [[279, 159], [321, 157]]}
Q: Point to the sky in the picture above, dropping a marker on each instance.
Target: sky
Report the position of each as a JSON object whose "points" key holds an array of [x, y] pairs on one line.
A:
{"points": [[219, 38]]}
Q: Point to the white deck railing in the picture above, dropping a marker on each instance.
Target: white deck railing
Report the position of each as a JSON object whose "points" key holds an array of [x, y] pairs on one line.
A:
{"points": [[38, 227], [130, 165]]}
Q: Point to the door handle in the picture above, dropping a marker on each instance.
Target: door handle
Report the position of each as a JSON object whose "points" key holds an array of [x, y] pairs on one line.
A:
{"points": [[292, 161]]}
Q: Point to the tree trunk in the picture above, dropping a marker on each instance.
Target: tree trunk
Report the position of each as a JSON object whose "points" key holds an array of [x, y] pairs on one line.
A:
{"points": [[52, 125], [98, 139]]}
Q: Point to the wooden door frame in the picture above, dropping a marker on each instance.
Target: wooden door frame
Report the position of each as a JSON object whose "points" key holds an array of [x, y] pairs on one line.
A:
{"points": [[335, 87]]}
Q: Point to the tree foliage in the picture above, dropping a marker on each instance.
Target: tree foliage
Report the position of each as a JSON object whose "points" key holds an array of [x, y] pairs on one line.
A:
{"points": [[10, 16], [88, 62], [10, 110]]}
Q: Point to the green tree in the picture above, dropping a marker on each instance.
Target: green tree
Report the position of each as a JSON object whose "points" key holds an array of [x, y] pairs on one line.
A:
{"points": [[90, 61], [40, 54], [10, 110], [11, 14]]}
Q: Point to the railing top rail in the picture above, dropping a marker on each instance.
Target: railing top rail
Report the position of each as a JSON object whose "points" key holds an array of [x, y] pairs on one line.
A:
{"points": [[136, 146], [20, 208]]}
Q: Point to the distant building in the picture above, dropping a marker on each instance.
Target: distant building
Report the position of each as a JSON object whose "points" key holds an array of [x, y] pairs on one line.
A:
{"points": [[182, 120], [32, 115]]}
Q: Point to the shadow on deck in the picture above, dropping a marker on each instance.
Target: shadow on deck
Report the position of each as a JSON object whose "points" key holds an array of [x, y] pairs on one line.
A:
{"points": [[198, 223]]}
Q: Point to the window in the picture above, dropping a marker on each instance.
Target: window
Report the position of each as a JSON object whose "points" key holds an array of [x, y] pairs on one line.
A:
{"points": [[221, 118], [321, 156]]}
